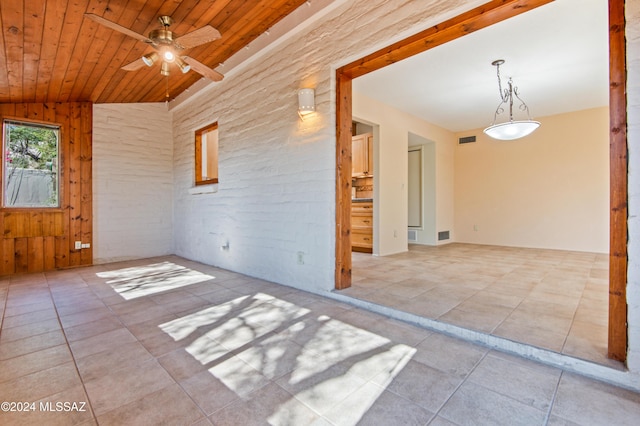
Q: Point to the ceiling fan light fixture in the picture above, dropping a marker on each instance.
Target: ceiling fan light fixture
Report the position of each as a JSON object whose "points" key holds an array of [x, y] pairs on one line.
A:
{"points": [[164, 70], [511, 129], [184, 67], [168, 55], [150, 58]]}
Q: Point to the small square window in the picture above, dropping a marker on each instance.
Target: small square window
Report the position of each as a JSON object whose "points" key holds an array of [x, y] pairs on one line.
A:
{"points": [[207, 155], [30, 176]]}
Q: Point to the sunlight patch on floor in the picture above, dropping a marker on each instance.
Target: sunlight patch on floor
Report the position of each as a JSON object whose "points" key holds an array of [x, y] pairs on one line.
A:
{"points": [[248, 341], [140, 281]]}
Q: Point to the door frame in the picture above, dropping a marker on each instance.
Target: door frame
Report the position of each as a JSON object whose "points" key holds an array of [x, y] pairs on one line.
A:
{"points": [[475, 19]]}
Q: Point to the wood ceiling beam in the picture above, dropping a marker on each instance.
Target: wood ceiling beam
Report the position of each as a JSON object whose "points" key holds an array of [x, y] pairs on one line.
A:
{"points": [[461, 25]]}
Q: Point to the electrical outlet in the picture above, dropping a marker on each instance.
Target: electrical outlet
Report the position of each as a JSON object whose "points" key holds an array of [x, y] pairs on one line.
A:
{"points": [[86, 245], [78, 245], [300, 258]]}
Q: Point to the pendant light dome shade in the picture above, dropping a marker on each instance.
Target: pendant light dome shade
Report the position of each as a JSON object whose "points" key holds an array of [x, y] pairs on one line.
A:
{"points": [[512, 130]]}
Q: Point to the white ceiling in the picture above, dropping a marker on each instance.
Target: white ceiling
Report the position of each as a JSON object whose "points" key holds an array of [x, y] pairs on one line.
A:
{"points": [[557, 55]]}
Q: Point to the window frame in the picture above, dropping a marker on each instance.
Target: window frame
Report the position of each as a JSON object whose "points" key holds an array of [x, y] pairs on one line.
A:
{"points": [[198, 154], [60, 173]]}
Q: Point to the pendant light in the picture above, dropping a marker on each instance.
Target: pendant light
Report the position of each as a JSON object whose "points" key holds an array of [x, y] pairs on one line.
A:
{"points": [[511, 129]]}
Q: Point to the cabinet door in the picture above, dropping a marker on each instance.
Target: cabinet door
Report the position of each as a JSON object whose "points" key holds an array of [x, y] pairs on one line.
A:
{"points": [[359, 155]]}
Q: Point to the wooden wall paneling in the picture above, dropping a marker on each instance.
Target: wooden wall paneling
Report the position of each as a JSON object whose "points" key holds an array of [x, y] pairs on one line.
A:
{"points": [[62, 252], [8, 256], [86, 183], [36, 228], [35, 254], [617, 348], [42, 239], [21, 248], [74, 185], [49, 253], [35, 112], [61, 115]]}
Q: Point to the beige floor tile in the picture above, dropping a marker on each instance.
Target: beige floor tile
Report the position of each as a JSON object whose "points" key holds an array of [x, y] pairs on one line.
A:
{"points": [[372, 405], [271, 404], [518, 380], [125, 385], [448, 354], [273, 357], [421, 384], [40, 384], [35, 361], [101, 342], [84, 317], [474, 404], [72, 403], [31, 344], [181, 364], [38, 311], [541, 285], [208, 392], [28, 318], [170, 406], [485, 320], [585, 401], [93, 328], [322, 390], [119, 356], [28, 330]]}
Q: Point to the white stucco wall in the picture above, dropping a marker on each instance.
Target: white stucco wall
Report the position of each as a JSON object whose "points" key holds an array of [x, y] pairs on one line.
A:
{"points": [[132, 181], [633, 116]]}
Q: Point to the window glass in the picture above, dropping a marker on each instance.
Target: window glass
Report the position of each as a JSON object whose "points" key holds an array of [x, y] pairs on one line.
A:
{"points": [[207, 155], [30, 165]]}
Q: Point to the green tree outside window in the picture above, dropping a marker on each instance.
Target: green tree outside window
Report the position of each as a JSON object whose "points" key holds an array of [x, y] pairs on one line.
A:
{"points": [[30, 165]]}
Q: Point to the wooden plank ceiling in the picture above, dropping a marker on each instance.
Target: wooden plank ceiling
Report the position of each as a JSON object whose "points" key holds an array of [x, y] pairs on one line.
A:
{"points": [[50, 52]]}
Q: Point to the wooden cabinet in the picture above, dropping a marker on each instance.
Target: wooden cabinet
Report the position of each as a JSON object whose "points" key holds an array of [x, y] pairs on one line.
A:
{"points": [[362, 226], [362, 155]]}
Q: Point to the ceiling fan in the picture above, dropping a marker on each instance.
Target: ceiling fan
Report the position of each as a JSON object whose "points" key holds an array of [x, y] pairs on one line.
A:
{"points": [[167, 46]]}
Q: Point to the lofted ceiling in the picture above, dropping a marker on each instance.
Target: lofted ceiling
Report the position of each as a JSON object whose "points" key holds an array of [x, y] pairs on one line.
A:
{"points": [[51, 52], [557, 55]]}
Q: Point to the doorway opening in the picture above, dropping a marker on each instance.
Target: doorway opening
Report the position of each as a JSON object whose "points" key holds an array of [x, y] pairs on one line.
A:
{"points": [[470, 21]]}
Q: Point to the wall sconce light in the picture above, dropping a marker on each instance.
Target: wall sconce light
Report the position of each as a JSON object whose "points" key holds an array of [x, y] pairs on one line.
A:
{"points": [[306, 102]]}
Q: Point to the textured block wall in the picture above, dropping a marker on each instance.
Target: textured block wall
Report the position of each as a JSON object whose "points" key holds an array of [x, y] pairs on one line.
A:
{"points": [[633, 137], [133, 181]]}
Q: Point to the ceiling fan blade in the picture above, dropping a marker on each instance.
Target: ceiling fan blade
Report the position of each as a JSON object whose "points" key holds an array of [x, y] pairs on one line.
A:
{"points": [[135, 65], [117, 27], [197, 37], [201, 68]]}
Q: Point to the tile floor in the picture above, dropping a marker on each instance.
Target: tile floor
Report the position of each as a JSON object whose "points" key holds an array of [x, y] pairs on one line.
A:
{"points": [[169, 341], [552, 299]]}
